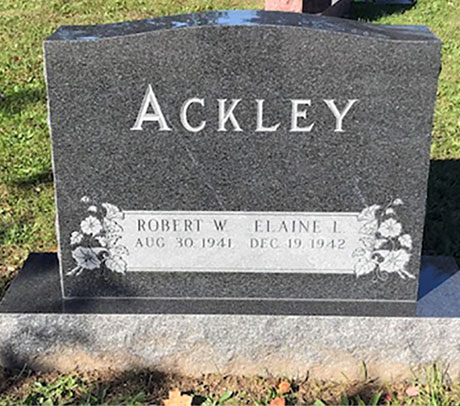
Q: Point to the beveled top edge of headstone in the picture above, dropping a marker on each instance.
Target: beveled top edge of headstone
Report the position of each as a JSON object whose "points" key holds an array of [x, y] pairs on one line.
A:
{"points": [[243, 18]]}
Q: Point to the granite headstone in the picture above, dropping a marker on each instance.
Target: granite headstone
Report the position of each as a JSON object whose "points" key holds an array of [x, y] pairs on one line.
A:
{"points": [[242, 162]]}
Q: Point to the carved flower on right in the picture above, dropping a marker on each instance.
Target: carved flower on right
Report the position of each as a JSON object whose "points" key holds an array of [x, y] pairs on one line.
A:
{"points": [[385, 248]]}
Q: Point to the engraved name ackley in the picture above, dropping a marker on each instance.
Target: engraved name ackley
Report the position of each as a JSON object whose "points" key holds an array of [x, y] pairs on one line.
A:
{"points": [[150, 111]]}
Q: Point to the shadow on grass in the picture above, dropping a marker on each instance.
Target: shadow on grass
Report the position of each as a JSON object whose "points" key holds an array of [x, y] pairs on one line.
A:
{"points": [[370, 11], [15, 102], [109, 387], [150, 387], [442, 225], [13, 356], [45, 176], [5, 278]]}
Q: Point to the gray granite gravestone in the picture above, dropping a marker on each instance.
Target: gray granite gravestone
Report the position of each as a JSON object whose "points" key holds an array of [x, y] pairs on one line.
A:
{"points": [[241, 162]]}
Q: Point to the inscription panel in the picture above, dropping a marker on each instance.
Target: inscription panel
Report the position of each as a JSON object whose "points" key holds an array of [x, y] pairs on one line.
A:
{"points": [[245, 242]]}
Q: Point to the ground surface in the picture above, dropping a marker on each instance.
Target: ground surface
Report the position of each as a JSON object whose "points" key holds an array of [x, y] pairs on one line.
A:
{"points": [[430, 387], [27, 207], [26, 188]]}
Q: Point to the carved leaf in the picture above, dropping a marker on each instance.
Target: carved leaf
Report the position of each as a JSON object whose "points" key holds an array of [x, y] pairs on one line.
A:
{"points": [[109, 240], [380, 242], [369, 228], [358, 252], [111, 226], [368, 242], [76, 237], [118, 250], [364, 266], [405, 241], [116, 264], [368, 214], [112, 211]]}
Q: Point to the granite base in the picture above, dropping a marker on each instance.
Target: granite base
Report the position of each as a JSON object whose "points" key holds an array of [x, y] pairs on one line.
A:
{"points": [[37, 330], [41, 274]]}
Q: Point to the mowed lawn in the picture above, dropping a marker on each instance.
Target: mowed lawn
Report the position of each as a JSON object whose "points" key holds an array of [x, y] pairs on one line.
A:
{"points": [[26, 188], [27, 205]]}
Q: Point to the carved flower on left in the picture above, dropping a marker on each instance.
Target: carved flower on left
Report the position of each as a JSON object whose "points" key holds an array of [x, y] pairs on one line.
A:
{"points": [[91, 225], [96, 243], [86, 258]]}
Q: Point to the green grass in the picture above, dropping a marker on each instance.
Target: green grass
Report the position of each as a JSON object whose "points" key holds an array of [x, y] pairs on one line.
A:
{"points": [[26, 190], [429, 387], [443, 18], [442, 230], [27, 206]]}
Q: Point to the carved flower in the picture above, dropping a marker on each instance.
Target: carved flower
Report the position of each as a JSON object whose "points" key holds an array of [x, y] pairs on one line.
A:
{"points": [[102, 248], [359, 252], [76, 237], [379, 250], [394, 261], [86, 258], [91, 225], [390, 228], [406, 241]]}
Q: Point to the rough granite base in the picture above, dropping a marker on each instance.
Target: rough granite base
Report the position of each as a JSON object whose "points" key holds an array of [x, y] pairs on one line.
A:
{"points": [[36, 332]]}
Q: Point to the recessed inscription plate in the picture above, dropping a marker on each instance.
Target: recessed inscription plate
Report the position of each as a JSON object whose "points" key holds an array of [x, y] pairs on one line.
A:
{"points": [[210, 241], [240, 242]]}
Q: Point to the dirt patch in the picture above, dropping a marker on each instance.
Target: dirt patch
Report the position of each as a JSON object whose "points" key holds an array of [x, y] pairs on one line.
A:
{"points": [[151, 387]]}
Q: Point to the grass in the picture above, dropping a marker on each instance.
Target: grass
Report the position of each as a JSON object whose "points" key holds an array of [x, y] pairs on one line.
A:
{"points": [[443, 18], [430, 387], [27, 206], [26, 189], [442, 228]]}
